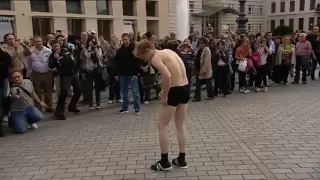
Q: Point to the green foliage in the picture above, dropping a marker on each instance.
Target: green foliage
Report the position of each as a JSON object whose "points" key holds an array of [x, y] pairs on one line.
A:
{"points": [[282, 31]]}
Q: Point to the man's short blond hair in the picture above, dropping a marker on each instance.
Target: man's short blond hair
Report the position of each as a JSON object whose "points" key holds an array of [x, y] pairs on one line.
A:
{"points": [[142, 46]]}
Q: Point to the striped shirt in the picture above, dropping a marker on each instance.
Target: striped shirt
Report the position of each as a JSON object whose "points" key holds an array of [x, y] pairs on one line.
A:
{"points": [[187, 57]]}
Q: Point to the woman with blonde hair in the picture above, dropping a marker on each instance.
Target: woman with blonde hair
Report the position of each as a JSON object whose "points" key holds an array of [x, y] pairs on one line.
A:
{"points": [[284, 60], [114, 86], [242, 53]]}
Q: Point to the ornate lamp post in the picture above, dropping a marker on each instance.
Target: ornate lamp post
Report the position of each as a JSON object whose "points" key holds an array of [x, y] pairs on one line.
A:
{"points": [[242, 19]]}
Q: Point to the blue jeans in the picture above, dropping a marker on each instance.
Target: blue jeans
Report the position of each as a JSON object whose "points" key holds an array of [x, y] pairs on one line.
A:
{"points": [[124, 85], [20, 119]]}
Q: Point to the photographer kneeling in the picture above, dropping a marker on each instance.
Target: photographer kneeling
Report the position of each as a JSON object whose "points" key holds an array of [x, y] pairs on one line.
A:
{"points": [[23, 109]]}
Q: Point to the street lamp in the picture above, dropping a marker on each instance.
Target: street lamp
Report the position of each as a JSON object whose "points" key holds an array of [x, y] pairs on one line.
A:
{"points": [[242, 19]]}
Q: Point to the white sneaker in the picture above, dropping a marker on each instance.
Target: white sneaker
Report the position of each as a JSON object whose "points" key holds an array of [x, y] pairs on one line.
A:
{"points": [[110, 102], [265, 89], [257, 89], [34, 126], [242, 90], [246, 91], [5, 119], [120, 101], [98, 107], [146, 102], [90, 108]]}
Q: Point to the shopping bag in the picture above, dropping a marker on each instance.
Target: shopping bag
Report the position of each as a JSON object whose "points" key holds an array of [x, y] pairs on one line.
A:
{"points": [[243, 65]]}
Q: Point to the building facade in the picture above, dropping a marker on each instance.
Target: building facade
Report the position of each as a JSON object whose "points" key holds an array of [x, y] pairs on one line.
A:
{"points": [[297, 14], [32, 17], [254, 10]]}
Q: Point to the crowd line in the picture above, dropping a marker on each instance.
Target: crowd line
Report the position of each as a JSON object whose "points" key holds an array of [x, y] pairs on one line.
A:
{"points": [[30, 72]]}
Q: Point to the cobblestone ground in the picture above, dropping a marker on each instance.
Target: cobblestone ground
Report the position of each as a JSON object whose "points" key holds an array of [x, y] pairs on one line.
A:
{"points": [[273, 135]]}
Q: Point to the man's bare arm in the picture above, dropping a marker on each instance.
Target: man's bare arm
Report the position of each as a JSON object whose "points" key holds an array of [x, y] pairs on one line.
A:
{"points": [[165, 74]]}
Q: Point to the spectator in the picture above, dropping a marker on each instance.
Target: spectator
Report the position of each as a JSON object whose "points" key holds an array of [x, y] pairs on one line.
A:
{"points": [[19, 52], [50, 37], [314, 39], [242, 53], [61, 62], [284, 60], [114, 85], [186, 53], [5, 65], [127, 68], [81, 47], [265, 52], [92, 63], [222, 62], [23, 110], [303, 52], [203, 70], [40, 72]]}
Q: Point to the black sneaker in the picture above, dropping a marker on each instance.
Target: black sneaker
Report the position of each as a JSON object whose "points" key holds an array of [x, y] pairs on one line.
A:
{"points": [[182, 164], [123, 111], [161, 167], [60, 117]]}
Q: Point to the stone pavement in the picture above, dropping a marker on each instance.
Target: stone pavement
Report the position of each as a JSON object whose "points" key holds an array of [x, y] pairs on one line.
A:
{"points": [[273, 135]]}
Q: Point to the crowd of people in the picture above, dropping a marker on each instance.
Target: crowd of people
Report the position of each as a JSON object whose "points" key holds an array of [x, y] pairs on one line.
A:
{"points": [[31, 72]]}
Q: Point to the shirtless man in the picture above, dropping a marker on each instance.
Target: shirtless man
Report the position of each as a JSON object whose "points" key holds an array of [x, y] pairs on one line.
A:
{"points": [[174, 99]]}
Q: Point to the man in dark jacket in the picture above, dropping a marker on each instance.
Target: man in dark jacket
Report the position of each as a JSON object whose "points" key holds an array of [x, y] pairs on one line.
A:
{"points": [[5, 66], [61, 62], [127, 70]]}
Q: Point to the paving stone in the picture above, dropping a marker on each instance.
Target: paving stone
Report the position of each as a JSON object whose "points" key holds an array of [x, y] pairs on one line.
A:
{"points": [[256, 136]]}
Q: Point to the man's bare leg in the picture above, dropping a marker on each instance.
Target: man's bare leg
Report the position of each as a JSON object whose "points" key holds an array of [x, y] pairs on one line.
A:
{"points": [[166, 115], [179, 117]]}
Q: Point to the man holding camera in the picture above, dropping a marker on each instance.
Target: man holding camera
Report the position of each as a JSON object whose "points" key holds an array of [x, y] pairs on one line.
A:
{"points": [[61, 62]]}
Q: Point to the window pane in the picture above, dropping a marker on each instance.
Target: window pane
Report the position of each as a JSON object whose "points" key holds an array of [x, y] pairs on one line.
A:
{"points": [[128, 7], [291, 23], [292, 6], [74, 6], [104, 27], [151, 7], [273, 7], [39, 5], [281, 22], [312, 4], [272, 25], [6, 26], [191, 6], [311, 22], [301, 23], [104, 7], [302, 4], [41, 26], [75, 26], [282, 6], [5, 4]]}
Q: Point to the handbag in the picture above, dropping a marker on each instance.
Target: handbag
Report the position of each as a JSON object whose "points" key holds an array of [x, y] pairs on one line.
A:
{"points": [[250, 65], [243, 65], [256, 58], [147, 80]]}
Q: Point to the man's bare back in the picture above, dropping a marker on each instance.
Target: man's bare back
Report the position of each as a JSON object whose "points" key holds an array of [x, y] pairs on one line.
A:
{"points": [[175, 66]]}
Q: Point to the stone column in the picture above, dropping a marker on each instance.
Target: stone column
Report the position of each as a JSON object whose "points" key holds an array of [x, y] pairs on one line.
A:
{"points": [[182, 15]]}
